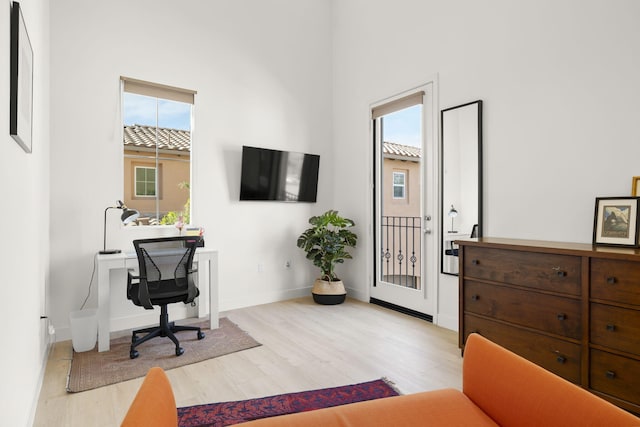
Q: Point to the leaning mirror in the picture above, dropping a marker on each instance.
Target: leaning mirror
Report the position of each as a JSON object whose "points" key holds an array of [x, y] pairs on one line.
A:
{"points": [[461, 139]]}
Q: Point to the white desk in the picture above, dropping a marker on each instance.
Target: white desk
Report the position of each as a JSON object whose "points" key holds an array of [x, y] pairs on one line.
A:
{"points": [[207, 279]]}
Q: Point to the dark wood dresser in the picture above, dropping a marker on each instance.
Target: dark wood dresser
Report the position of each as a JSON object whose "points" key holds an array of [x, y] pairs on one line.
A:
{"points": [[572, 308]]}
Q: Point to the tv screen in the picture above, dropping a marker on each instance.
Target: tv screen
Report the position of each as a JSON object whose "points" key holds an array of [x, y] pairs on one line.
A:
{"points": [[278, 175]]}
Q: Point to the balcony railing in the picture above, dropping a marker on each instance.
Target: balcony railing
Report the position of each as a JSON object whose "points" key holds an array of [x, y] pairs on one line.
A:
{"points": [[400, 247]]}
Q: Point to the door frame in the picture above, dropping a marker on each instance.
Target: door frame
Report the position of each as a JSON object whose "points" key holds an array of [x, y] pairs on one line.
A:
{"points": [[431, 189]]}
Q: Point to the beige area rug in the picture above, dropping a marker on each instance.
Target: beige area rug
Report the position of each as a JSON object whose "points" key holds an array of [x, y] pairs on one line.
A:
{"points": [[91, 369]]}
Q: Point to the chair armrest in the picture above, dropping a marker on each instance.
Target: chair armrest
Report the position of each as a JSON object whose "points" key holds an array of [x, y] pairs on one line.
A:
{"points": [[154, 404], [138, 291]]}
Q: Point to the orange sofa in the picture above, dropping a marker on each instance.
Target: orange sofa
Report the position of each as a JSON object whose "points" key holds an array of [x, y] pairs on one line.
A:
{"points": [[499, 389]]}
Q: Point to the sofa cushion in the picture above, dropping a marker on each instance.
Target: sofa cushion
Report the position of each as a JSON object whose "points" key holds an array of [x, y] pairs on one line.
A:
{"points": [[516, 392], [446, 407]]}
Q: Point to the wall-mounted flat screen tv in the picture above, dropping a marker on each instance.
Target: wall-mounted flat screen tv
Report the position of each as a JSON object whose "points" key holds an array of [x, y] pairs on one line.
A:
{"points": [[278, 175]]}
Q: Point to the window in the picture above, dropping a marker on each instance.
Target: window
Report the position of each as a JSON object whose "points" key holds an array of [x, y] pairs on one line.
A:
{"points": [[399, 185], [145, 181], [156, 122]]}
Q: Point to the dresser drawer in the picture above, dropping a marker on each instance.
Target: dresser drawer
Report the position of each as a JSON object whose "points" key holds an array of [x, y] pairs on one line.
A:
{"points": [[549, 313], [558, 356], [615, 375], [613, 280], [615, 327], [552, 272]]}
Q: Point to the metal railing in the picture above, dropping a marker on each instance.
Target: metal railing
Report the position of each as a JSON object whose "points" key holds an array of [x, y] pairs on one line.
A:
{"points": [[400, 247]]}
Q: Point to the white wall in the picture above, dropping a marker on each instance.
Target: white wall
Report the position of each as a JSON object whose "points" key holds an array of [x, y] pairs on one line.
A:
{"points": [[262, 70], [24, 253], [558, 80], [560, 90]]}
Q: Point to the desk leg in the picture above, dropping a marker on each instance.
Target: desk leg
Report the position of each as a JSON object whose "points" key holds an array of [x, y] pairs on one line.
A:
{"points": [[213, 291], [104, 306], [208, 284], [203, 284]]}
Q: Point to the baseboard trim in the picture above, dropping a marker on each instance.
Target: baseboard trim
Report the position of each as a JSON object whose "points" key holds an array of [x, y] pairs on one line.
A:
{"points": [[48, 348], [448, 322], [401, 309], [263, 298]]}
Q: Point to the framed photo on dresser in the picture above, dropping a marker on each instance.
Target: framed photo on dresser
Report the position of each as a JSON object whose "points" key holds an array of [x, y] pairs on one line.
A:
{"points": [[635, 186], [616, 221]]}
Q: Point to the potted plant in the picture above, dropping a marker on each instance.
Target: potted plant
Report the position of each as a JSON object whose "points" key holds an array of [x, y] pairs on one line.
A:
{"points": [[325, 244]]}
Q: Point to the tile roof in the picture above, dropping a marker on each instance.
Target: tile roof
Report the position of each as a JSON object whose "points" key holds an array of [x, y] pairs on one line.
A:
{"points": [[180, 140], [145, 137], [399, 150]]}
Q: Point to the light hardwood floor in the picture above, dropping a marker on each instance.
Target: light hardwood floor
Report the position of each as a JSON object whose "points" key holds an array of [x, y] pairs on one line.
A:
{"points": [[304, 346]]}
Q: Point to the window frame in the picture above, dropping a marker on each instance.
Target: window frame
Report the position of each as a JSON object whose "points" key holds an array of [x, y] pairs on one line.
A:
{"points": [[160, 93]]}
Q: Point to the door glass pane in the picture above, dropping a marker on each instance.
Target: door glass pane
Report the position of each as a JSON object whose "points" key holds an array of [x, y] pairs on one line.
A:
{"points": [[400, 193]]}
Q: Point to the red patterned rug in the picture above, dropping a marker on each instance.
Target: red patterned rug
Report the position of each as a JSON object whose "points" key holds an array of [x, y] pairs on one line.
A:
{"points": [[229, 413]]}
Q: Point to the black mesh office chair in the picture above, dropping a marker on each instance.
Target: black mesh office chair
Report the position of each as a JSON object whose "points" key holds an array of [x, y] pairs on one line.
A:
{"points": [[454, 250], [166, 277]]}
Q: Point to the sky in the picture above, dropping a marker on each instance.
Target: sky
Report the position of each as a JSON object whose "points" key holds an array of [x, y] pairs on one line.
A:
{"points": [[404, 126], [401, 127], [141, 110]]}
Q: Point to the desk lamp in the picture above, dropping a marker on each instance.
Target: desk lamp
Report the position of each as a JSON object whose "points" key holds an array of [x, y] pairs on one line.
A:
{"points": [[452, 214], [128, 215]]}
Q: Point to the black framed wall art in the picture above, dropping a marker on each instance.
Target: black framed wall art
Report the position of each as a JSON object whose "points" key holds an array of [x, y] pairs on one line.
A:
{"points": [[21, 76], [616, 221]]}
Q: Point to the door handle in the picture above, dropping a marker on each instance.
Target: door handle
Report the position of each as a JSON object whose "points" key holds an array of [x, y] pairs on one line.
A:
{"points": [[427, 231]]}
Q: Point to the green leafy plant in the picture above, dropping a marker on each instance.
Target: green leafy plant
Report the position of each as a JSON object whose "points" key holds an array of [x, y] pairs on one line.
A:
{"points": [[169, 218], [326, 241]]}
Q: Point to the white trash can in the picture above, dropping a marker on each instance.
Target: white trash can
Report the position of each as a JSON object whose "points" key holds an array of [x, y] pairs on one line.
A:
{"points": [[84, 329]]}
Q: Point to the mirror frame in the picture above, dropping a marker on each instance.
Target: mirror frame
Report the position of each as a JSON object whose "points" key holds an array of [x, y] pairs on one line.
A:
{"points": [[444, 209]]}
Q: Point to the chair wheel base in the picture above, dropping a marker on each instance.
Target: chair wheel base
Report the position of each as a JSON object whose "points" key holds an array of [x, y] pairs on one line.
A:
{"points": [[179, 351], [133, 354], [200, 335]]}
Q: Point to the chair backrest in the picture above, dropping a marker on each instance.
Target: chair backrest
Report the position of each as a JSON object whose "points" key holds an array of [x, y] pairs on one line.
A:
{"points": [[166, 258]]}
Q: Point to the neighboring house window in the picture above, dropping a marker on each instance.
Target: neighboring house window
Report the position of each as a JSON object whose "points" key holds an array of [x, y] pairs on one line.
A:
{"points": [[145, 185], [157, 151], [399, 185]]}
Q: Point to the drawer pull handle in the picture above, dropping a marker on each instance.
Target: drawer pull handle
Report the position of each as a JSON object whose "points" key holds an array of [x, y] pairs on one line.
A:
{"points": [[562, 316], [475, 297], [611, 328], [561, 359], [559, 272], [611, 280], [475, 261], [611, 375]]}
